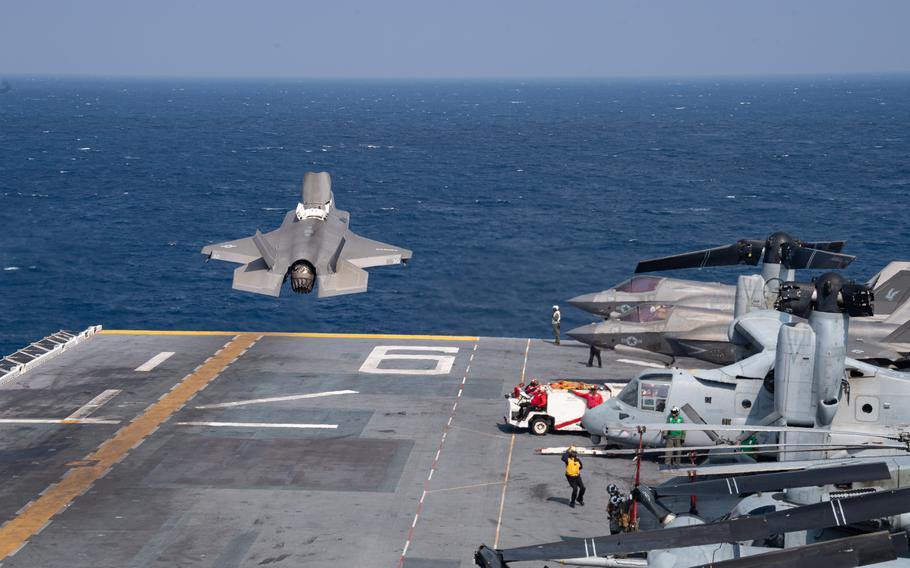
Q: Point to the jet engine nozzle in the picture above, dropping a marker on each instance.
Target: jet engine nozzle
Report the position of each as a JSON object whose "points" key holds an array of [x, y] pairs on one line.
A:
{"points": [[303, 277]]}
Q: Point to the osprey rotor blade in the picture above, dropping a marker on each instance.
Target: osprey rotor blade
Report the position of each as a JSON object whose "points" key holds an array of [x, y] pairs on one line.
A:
{"points": [[741, 252], [860, 550], [838, 512], [661, 427], [830, 246], [820, 447], [694, 416], [874, 471], [795, 256]]}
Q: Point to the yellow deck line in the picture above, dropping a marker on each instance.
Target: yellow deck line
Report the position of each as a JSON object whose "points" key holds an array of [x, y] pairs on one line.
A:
{"points": [[292, 334], [16, 532]]}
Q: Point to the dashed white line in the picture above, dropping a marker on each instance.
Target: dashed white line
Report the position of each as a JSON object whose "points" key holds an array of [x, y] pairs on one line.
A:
{"points": [[154, 361], [433, 467]]}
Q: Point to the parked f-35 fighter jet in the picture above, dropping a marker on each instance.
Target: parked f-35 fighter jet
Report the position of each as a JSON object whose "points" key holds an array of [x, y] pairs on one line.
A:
{"points": [[312, 247]]}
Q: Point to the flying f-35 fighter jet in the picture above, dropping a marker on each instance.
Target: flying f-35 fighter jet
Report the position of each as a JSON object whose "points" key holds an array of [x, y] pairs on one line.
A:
{"points": [[313, 246]]}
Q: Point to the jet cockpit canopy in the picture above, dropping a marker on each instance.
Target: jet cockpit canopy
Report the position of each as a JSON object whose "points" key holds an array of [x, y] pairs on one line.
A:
{"points": [[638, 284], [647, 313]]}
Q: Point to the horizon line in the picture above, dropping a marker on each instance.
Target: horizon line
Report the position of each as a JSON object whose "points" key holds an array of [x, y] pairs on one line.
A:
{"points": [[477, 78]]}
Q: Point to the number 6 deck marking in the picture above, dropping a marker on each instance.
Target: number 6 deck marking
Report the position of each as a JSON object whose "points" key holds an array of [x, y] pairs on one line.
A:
{"points": [[380, 353]]}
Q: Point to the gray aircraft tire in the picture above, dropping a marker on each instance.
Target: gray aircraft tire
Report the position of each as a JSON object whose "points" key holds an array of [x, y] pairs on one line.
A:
{"points": [[539, 426]]}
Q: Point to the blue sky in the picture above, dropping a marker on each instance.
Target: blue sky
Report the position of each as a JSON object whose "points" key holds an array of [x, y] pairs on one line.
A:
{"points": [[467, 38]]}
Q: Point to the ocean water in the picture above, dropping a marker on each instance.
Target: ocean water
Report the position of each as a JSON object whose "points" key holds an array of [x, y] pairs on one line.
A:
{"points": [[513, 196]]}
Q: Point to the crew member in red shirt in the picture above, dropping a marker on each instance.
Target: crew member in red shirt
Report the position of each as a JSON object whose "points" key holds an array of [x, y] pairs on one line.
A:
{"points": [[519, 388], [537, 402], [592, 397]]}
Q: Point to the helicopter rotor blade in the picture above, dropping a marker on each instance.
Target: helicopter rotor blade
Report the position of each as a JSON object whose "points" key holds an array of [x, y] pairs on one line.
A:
{"points": [[874, 471], [795, 256], [694, 416], [861, 550], [830, 246], [838, 512], [744, 251]]}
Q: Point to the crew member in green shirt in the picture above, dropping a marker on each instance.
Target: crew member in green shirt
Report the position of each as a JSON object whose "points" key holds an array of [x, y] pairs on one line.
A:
{"points": [[675, 438]]}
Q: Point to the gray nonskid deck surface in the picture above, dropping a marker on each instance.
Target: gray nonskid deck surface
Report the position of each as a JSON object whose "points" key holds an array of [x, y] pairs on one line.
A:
{"points": [[400, 470]]}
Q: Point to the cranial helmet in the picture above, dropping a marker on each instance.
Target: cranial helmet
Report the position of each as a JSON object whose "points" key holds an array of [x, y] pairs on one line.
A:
{"points": [[612, 489], [674, 410]]}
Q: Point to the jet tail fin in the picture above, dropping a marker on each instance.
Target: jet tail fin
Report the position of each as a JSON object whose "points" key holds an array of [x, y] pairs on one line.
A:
{"points": [[255, 277], [347, 279], [266, 248], [892, 292], [900, 335]]}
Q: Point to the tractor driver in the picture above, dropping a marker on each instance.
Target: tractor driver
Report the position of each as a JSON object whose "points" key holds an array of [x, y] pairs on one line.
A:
{"points": [[537, 402]]}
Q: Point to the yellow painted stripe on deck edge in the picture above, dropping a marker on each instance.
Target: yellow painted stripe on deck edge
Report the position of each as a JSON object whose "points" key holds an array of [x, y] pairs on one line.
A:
{"points": [[293, 334], [18, 530]]}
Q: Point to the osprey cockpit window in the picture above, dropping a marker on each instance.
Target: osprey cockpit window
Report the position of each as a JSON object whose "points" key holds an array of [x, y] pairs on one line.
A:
{"points": [[654, 394], [629, 394], [638, 284]]}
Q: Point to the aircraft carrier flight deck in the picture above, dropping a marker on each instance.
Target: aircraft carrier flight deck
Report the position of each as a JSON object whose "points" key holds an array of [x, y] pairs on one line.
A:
{"points": [[223, 449]]}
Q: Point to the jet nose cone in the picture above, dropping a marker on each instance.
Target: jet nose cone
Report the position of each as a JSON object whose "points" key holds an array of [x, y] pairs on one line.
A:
{"points": [[590, 304], [586, 334]]}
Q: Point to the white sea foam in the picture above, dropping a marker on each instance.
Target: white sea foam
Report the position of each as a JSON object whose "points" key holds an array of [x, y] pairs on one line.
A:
{"points": [[84, 149], [10, 268]]}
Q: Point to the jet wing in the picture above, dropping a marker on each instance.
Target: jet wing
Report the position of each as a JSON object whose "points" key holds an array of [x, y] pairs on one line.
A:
{"points": [[241, 250], [347, 279], [256, 277], [257, 254], [364, 253]]}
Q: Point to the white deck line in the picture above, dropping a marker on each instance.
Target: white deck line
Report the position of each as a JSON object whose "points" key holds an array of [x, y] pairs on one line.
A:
{"points": [[258, 425], [154, 361], [56, 421], [91, 406], [275, 399], [642, 363]]}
